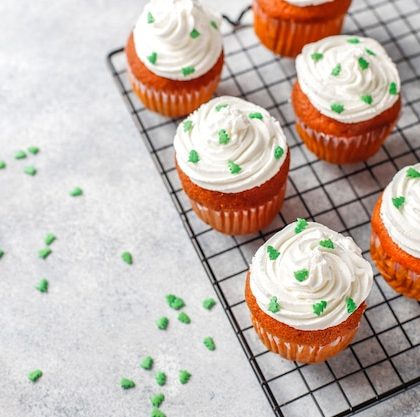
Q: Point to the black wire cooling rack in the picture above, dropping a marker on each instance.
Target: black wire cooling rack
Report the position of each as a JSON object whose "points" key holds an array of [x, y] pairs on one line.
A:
{"points": [[384, 359]]}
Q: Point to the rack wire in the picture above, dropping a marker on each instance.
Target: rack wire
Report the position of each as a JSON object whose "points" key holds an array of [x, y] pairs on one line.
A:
{"points": [[384, 358]]}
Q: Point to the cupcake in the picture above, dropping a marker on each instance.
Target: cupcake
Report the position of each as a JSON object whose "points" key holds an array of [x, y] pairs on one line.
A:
{"points": [[395, 239], [286, 26], [306, 291], [232, 159], [346, 98], [175, 56]]}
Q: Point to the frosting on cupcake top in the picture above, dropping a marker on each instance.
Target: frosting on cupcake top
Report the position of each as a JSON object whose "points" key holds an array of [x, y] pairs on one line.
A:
{"points": [[310, 277], [304, 3], [230, 145], [347, 78], [178, 39], [400, 209]]}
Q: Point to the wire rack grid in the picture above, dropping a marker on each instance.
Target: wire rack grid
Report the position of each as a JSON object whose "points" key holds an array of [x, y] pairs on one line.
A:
{"points": [[384, 358]]}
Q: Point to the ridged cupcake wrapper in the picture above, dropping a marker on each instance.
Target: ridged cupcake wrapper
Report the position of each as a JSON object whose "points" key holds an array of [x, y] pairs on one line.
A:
{"points": [[173, 104], [400, 278], [288, 37], [241, 222], [343, 150]]}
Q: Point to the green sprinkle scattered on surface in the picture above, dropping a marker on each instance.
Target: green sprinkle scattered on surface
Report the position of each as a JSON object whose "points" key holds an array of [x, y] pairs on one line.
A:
{"points": [[351, 305], [157, 400], [256, 115], [1, 253], [20, 155], [317, 56], [34, 150], [150, 18], [234, 168], [213, 24], [273, 253], [127, 257], [42, 285], [274, 305], [327, 244], [3, 165], [184, 376], [76, 192], [195, 33], [221, 106], [278, 152], [301, 225], [367, 99], [363, 64], [160, 378], [301, 275], [175, 302], [35, 375], [224, 137], [337, 108], [393, 89], [162, 323], [209, 343], [45, 253], [127, 383], [188, 125], [398, 202], [49, 239], [353, 41], [187, 71], [370, 52], [193, 156], [413, 173], [152, 58], [147, 363], [319, 307], [157, 413], [336, 70], [209, 303], [30, 170], [184, 318]]}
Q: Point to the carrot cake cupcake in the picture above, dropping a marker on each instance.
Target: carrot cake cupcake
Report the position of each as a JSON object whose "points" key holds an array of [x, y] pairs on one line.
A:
{"points": [[306, 291], [175, 56], [286, 26], [232, 159], [346, 98], [395, 240]]}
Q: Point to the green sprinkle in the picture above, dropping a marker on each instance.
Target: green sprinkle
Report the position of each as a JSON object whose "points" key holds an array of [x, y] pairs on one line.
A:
{"points": [[413, 173], [273, 253], [224, 137], [301, 275], [127, 258], [45, 253], [195, 33], [221, 106], [256, 115], [327, 243], [370, 52], [353, 41], [184, 318], [278, 152], [336, 70], [393, 89], [213, 24], [367, 99], [209, 303], [2, 165], [20, 155], [351, 305], [1, 253], [187, 71], [160, 378], [49, 239], [398, 202], [157, 413], [152, 58], [35, 375], [162, 323], [301, 225], [42, 285], [319, 307], [193, 156], [150, 18], [175, 302], [157, 400], [317, 56], [234, 168], [274, 306], [127, 383], [184, 376], [337, 108], [30, 170], [76, 192], [363, 64], [209, 343], [188, 125], [34, 150], [147, 363]]}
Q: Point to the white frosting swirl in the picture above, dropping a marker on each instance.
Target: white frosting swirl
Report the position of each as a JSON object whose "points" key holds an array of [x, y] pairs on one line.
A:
{"points": [[176, 35], [252, 145], [403, 223], [333, 276], [358, 76], [304, 3]]}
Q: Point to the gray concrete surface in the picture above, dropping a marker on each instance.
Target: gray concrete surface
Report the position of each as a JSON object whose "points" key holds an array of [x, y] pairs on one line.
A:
{"points": [[98, 318]]}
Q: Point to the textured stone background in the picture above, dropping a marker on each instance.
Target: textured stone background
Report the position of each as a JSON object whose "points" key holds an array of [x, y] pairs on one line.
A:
{"points": [[98, 318]]}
